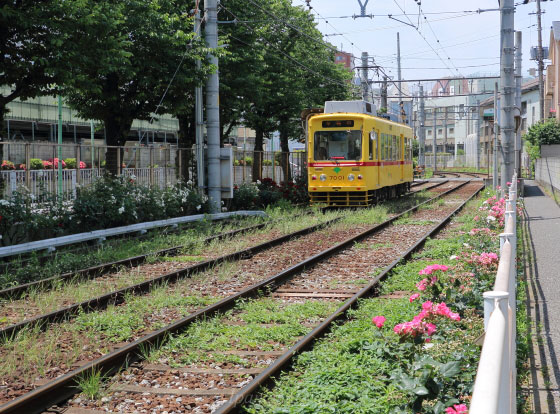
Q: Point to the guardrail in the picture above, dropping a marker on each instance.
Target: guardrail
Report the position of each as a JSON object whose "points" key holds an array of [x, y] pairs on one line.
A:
{"points": [[495, 384], [101, 235]]}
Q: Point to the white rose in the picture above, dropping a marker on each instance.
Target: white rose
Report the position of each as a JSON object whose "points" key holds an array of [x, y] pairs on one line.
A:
{"points": [[121, 210]]}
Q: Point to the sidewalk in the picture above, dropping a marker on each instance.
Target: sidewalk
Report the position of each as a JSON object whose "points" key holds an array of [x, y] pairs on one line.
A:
{"points": [[543, 274]]}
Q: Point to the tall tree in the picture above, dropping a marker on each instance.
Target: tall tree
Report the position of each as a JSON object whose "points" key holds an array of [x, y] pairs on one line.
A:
{"points": [[126, 79]]}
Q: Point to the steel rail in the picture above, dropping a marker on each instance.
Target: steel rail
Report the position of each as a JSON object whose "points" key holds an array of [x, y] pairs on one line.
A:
{"points": [[100, 270], [117, 296], [233, 404], [63, 387]]}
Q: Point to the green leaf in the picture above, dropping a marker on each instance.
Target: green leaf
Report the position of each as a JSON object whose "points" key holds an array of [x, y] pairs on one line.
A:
{"points": [[450, 369]]}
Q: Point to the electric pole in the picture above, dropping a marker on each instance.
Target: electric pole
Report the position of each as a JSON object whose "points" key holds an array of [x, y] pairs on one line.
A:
{"points": [[213, 109], [540, 59], [445, 134], [434, 147], [507, 79], [384, 93], [495, 170], [422, 135], [518, 78], [477, 146], [399, 66], [198, 117], [365, 76]]}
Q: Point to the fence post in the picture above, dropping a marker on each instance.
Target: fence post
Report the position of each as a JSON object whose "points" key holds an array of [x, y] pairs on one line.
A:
{"points": [[28, 166], [151, 166], [119, 172], [74, 184], [13, 181], [78, 161], [166, 150]]}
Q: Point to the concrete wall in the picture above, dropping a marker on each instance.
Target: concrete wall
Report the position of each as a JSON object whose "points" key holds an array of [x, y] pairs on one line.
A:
{"points": [[550, 151], [547, 172]]}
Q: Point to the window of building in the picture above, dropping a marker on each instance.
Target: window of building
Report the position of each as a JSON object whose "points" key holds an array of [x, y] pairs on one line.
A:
{"points": [[440, 131], [451, 131], [523, 107], [429, 132]]}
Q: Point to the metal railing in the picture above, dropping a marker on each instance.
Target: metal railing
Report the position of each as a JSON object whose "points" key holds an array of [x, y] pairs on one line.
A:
{"points": [[495, 384], [32, 165]]}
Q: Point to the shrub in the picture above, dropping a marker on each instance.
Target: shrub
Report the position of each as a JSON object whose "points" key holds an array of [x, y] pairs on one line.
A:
{"points": [[245, 197], [7, 165], [269, 192], [70, 163], [36, 164], [544, 133], [54, 162]]}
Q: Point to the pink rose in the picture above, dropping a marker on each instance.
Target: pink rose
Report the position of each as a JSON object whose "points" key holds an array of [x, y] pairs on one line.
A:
{"points": [[414, 297], [378, 321]]}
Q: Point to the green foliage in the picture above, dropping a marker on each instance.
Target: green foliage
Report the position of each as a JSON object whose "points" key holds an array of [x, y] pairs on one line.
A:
{"points": [[544, 133], [36, 164], [70, 163], [245, 197], [91, 383]]}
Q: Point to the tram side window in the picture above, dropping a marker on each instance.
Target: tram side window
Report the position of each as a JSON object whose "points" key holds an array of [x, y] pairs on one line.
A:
{"points": [[382, 147], [372, 144]]}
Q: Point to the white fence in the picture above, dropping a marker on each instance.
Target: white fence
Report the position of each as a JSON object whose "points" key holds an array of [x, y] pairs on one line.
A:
{"points": [[457, 161], [495, 384], [41, 182]]}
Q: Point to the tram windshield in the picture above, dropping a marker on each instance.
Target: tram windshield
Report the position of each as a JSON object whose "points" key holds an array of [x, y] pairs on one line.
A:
{"points": [[338, 145]]}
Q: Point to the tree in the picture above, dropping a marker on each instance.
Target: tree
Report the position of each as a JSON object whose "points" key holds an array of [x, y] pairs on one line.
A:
{"points": [[544, 133], [284, 71], [133, 53]]}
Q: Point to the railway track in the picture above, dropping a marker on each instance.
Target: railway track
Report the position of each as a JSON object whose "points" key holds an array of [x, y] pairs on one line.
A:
{"points": [[70, 309], [64, 386]]}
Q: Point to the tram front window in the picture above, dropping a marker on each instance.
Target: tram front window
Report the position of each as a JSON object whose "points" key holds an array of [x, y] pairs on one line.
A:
{"points": [[338, 145]]}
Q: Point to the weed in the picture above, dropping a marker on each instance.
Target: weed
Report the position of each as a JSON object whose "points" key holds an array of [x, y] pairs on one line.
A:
{"points": [[90, 383]]}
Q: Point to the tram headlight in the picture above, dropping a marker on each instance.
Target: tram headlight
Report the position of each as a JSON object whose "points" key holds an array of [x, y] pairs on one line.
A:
{"points": [[360, 177], [323, 177], [351, 177]]}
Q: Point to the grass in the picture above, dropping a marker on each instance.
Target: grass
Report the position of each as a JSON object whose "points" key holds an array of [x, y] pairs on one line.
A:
{"points": [[91, 384], [349, 371]]}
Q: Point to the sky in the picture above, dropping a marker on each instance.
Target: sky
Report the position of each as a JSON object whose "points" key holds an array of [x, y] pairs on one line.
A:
{"points": [[449, 40]]}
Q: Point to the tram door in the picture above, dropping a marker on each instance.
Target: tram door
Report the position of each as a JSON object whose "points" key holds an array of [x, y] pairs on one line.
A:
{"points": [[373, 140], [401, 155]]}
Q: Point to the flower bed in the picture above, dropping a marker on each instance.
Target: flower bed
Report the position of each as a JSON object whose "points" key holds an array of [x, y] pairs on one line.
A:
{"points": [[416, 354]]}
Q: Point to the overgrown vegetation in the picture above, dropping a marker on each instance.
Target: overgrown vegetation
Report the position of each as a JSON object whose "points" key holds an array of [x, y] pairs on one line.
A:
{"points": [[426, 365]]}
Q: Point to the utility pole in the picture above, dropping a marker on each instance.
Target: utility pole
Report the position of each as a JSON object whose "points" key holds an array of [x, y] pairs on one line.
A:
{"points": [[540, 59], [365, 76], [384, 93], [399, 66], [59, 198], [422, 135], [445, 134], [507, 79], [213, 109], [477, 146], [198, 117], [434, 146], [495, 170], [518, 78]]}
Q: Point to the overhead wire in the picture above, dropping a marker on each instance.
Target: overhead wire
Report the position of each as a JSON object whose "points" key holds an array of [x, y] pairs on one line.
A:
{"points": [[423, 37]]}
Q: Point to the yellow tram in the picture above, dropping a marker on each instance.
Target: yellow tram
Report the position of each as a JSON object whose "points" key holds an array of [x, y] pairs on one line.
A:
{"points": [[355, 158]]}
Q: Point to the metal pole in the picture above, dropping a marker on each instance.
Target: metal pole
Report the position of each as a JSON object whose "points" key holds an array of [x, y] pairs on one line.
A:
{"points": [[518, 77], [445, 134], [477, 146], [199, 121], [540, 59], [213, 109], [495, 169], [384, 93], [59, 146], [507, 80], [435, 139], [399, 65], [91, 131], [422, 135], [365, 76]]}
